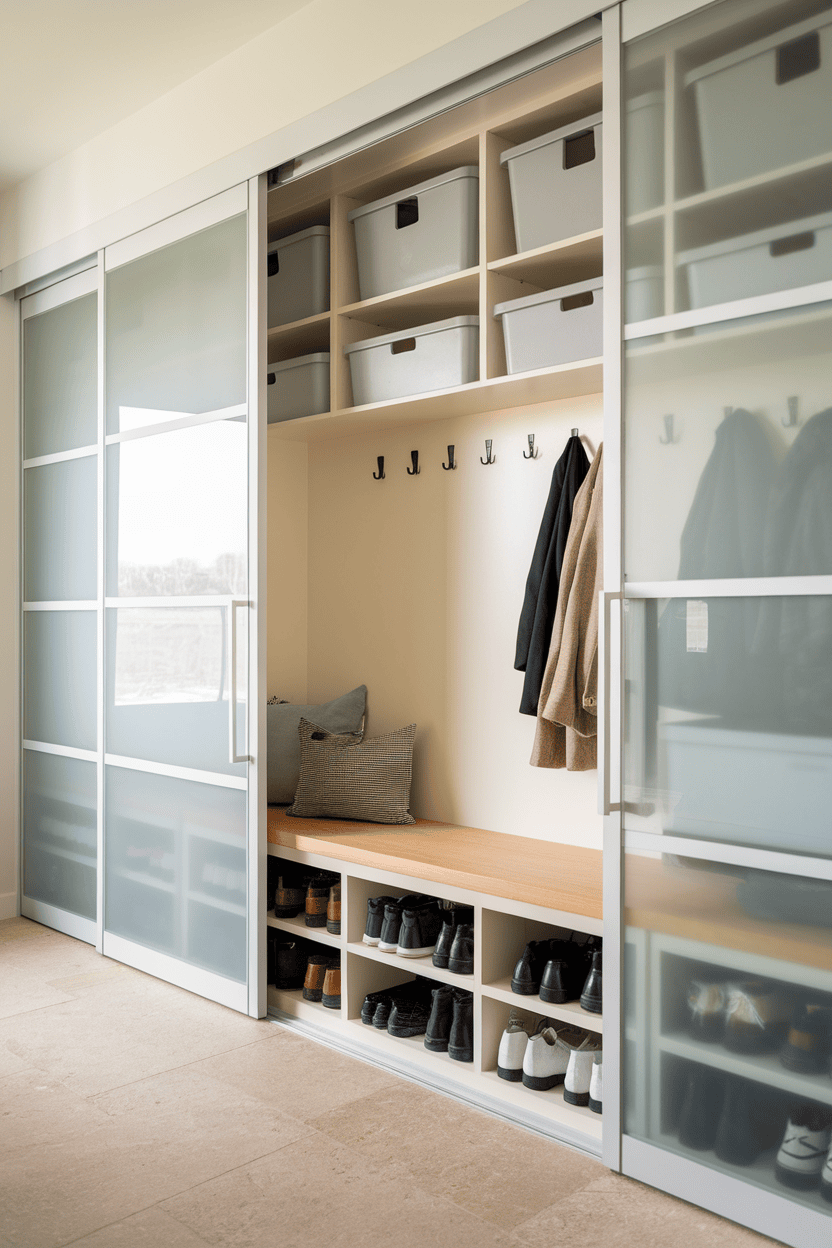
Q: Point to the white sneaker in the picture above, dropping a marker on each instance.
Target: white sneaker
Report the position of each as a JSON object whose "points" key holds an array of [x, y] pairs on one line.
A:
{"points": [[512, 1049], [826, 1178], [596, 1083], [579, 1072], [547, 1057], [802, 1155]]}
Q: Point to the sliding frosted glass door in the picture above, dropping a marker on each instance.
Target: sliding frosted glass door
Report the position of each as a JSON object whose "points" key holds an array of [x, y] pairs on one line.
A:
{"points": [[59, 780], [176, 506]]}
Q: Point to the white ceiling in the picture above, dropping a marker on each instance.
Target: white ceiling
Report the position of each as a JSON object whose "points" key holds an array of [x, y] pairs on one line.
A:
{"points": [[73, 68]]}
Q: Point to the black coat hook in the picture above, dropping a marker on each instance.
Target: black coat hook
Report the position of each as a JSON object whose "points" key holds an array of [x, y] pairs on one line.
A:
{"points": [[489, 458], [531, 453], [450, 464], [379, 476], [791, 420], [414, 459], [668, 430]]}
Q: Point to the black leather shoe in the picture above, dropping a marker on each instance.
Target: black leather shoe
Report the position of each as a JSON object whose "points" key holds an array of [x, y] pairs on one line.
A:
{"points": [[591, 995], [375, 919], [749, 1123], [388, 941], [438, 1030], [461, 960], [809, 1041], [317, 897], [408, 1017], [529, 970], [451, 919], [419, 929], [461, 1038], [701, 1108]]}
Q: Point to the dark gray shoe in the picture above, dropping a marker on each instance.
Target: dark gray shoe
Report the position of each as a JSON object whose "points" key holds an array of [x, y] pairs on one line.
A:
{"points": [[461, 960], [438, 1030]]}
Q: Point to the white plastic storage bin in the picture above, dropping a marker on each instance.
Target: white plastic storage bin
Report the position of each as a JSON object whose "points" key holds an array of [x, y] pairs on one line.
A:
{"points": [[553, 327], [643, 152], [413, 361], [796, 254], [299, 275], [419, 234], [555, 183], [643, 291], [298, 387], [766, 105]]}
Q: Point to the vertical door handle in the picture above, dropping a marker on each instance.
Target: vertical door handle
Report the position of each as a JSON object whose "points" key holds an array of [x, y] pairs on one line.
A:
{"points": [[605, 737], [233, 756]]}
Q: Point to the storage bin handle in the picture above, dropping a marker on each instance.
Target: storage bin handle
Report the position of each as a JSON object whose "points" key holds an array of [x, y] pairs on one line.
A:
{"points": [[407, 212], [583, 300], [403, 344], [274, 263], [795, 242], [797, 58]]}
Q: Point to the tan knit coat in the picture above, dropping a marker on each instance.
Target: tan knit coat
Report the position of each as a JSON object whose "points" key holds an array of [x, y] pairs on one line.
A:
{"points": [[567, 713]]}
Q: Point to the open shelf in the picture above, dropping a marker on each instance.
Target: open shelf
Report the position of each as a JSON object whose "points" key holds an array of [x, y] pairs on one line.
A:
{"points": [[291, 1001], [557, 264], [497, 393], [763, 1068], [217, 903], [70, 855], [453, 295], [416, 966], [547, 1104], [299, 337], [569, 1012], [298, 929]]}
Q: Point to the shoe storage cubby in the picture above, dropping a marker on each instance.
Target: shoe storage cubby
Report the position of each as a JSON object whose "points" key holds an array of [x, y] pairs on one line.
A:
{"points": [[508, 882], [471, 138]]}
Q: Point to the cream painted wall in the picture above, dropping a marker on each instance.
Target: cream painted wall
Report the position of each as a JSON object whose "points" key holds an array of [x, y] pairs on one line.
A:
{"points": [[9, 753], [415, 589], [288, 583], [316, 56]]}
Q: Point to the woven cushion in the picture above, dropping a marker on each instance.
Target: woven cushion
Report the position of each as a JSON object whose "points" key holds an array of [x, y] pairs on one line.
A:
{"points": [[340, 779], [343, 715]]}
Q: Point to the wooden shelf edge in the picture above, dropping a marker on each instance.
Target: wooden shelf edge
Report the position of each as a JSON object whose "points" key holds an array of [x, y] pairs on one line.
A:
{"points": [[279, 331], [569, 1012], [549, 251], [461, 277]]}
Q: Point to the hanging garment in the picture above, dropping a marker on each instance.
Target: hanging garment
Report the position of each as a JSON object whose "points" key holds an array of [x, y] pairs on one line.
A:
{"points": [[535, 630], [794, 634], [567, 715], [706, 662]]}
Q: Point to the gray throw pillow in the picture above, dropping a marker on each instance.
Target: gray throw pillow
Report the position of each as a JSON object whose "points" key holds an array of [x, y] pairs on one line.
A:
{"points": [[343, 715], [344, 779]]}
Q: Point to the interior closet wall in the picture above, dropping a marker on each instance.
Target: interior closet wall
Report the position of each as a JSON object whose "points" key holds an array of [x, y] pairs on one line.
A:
{"points": [[9, 565], [415, 589], [288, 578]]}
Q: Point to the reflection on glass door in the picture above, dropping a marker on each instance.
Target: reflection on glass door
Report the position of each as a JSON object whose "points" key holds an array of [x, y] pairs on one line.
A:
{"points": [[176, 628], [59, 809]]}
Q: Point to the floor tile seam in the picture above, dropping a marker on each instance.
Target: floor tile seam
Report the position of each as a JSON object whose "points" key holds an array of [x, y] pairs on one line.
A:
{"points": [[4, 1018], [96, 1230], [223, 1174], [118, 1087]]}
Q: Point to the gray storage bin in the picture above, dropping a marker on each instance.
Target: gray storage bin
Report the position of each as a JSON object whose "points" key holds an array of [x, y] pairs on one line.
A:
{"points": [[643, 291], [555, 183], [419, 234], [299, 275], [540, 332], [643, 153], [796, 254], [766, 105], [298, 387], [413, 361]]}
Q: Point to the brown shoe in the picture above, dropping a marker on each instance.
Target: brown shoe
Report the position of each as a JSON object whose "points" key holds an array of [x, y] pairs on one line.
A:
{"points": [[313, 984], [317, 898], [333, 910], [290, 893], [331, 997]]}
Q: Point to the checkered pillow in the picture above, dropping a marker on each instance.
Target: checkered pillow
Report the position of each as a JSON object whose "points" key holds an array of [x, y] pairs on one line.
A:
{"points": [[340, 779]]}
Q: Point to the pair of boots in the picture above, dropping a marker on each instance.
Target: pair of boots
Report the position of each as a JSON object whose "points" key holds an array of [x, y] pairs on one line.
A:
{"points": [[322, 981], [450, 1027], [317, 893], [561, 971], [736, 1118], [294, 964]]}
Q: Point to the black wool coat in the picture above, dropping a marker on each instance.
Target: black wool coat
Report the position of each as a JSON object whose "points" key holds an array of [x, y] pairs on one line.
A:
{"points": [[537, 617]]}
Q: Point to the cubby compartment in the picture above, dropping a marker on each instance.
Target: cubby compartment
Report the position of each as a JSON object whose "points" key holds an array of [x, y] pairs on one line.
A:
{"points": [[360, 891]]}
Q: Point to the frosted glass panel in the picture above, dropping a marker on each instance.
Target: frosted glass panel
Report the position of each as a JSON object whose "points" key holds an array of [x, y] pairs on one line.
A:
{"points": [[60, 378], [176, 862], [745, 486], [60, 847], [731, 973], [176, 329], [729, 720], [177, 510], [59, 531], [59, 677], [167, 686], [749, 144]]}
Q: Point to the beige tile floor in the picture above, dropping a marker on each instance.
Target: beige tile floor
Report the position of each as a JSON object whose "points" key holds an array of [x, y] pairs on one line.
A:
{"points": [[135, 1115]]}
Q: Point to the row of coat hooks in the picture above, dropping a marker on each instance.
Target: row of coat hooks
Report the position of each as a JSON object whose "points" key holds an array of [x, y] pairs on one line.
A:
{"points": [[790, 421], [490, 458]]}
